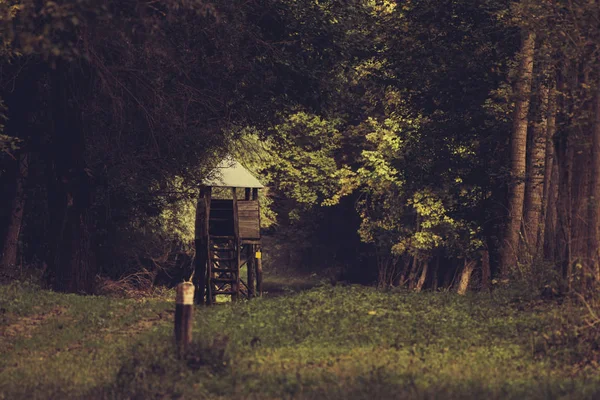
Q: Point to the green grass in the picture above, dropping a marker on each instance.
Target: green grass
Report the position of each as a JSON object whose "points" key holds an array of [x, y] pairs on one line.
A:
{"points": [[281, 283], [55, 345], [344, 342]]}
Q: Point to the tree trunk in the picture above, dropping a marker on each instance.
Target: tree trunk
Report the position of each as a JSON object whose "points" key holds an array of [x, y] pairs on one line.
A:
{"points": [[594, 218], [486, 271], [548, 231], [508, 254], [386, 267], [412, 277], [534, 191], [71, 261], [11, 240], [564, 153], [449, 277], [435, 277], [580, 200], [423, 277], [407, 261], [465, 277]]}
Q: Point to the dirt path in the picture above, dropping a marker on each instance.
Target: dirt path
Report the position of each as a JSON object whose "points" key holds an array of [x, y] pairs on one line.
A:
{"points": [[27, 325], [24, 329]]}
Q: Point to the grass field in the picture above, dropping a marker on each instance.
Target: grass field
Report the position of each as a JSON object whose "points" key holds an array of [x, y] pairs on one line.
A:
{"points": [[343, 342]]}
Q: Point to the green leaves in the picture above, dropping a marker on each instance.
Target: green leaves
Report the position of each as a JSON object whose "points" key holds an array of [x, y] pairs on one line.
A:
{"points": [[303, 163]]}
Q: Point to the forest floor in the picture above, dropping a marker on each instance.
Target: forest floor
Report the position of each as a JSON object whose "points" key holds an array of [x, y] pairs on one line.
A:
{"points": [[342, 342]]}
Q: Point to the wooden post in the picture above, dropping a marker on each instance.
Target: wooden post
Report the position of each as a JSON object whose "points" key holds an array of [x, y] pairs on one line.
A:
{"points": [[184, 316], [208, 276], [247, 194], [256, 256], [201, 236], [236, 243], [259, 271], [255, 197], [250, 253]]}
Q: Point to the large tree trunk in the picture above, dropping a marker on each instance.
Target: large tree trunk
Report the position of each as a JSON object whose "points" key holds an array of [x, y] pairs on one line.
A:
{"points": [[465, 277], [22, 101], [582, 171], [412, 277], [594, 218], [534, 191], [70, 260], [564, 153], [548, 231], [509, 251], [423, 277], [580, 192], [11, 240]]}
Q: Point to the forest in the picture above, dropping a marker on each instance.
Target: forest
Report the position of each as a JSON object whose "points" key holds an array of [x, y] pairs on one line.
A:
{"points": [[409, 149]]}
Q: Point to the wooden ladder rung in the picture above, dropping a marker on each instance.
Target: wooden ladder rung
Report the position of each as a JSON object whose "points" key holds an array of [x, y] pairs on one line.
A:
{"points": [[224, 280], [224, 270]]}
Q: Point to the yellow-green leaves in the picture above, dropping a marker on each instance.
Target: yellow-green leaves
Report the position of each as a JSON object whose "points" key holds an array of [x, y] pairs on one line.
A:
{"points": [[385, 141], [303, 163]]}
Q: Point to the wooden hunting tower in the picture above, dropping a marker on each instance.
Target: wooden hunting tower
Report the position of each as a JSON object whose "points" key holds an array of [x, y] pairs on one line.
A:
{"points": [[228, 235]]}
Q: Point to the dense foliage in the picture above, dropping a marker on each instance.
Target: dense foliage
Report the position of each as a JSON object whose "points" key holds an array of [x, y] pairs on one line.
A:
{"points": [[418, 143]]}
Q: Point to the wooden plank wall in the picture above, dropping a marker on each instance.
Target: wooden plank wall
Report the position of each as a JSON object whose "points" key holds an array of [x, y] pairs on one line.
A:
{"points": [[249, 218]]}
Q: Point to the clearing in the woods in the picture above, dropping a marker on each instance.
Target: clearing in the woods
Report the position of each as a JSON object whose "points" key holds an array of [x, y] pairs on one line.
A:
{"points": [[343, 342]]}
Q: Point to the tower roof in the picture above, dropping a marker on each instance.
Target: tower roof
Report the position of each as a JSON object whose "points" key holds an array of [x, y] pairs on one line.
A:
{"points": [[230, 173]]}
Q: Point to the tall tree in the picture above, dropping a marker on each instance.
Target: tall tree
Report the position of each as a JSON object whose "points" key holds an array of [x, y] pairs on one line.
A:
{"points": [[10, 248], [594, 217], [534, 188], [548, 231], [70, 190], [509, 252]]}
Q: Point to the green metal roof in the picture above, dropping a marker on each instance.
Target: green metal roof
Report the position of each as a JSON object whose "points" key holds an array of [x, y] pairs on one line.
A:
{"points": [[230, 173]]}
